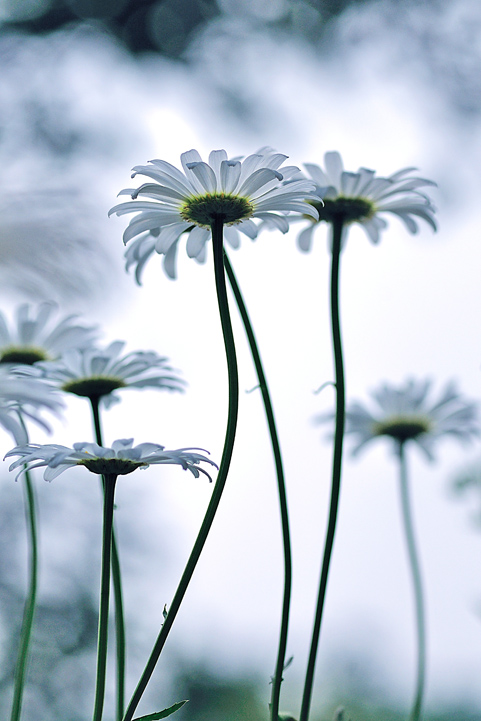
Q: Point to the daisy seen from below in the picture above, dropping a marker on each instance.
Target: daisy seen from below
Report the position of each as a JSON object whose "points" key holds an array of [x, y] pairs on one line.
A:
{"points": [[36, 336], [235, 191], [122, 458], [405, 414], [96, 373], [362, 196]]}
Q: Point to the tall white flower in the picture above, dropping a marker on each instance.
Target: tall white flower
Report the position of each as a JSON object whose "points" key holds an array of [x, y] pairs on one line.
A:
{"points": [[22, 398], [361, 197], [404, 413], [122, 458], [36, 336], [235, 190], [96, 373]]}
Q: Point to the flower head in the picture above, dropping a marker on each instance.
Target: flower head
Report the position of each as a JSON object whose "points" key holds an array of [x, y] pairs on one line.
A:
{"points": [[36, 337], [234, 190], [404, 414], [360, 198], [95, 373], [22, 398], [119, 460]]}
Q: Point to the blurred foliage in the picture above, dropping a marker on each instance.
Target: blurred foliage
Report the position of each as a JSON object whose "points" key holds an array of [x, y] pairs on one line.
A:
{"points": [[164, 26], [438, 41], [213, 698]]}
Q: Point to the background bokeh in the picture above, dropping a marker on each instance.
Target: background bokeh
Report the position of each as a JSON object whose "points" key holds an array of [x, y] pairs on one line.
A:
{"points": [[87, 90]]}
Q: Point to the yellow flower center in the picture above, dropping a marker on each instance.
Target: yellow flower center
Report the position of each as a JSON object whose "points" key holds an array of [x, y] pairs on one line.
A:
{"points": [[349, 210], [203, 210], [111, 466], [402, 428], [94, 387], [26, 355]]}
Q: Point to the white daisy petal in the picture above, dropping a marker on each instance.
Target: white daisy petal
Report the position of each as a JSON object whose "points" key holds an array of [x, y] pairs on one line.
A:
{"points": [[229, 175], [168, 235], [205, 175], [231, 235], [169, 264], [216, 158], [257, 180], [304, 239], [334, 168], [196, 241]]}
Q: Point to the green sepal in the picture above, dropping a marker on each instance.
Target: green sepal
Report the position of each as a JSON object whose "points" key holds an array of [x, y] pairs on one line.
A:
{"points": [[161, 714]]}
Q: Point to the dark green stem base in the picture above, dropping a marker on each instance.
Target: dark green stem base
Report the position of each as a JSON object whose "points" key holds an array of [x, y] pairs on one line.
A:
{"points": [[29, 609], [117, 586], [108, 518], [218, 246], [337, 227], [276, 450]]}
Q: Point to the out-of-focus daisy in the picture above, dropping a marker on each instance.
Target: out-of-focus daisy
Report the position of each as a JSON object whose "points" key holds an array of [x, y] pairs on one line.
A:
{"points": [[361, 197], [122, 458], [36, 336], [24, 398], [235, 190], [96, 373], [404, 413]]}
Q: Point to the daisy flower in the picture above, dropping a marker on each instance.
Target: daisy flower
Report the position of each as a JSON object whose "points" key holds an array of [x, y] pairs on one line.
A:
{"points": [[405, 413], [361, 197], [22, 398], [35, 336], [96, 373], [190, 200], [122, 458]]}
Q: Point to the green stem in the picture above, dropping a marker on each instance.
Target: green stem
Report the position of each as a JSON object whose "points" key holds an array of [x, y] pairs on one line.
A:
{"points": [[276, 450], [29, 609], [217, 242], [108, 518], [117, 586], [337, 227], [417, 585]]}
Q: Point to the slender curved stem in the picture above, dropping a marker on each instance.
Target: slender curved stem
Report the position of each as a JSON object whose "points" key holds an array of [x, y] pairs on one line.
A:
{"points": [[29, 609], [276, 450], [337, 227], [417, 585], [108, 517], [217, 242], [116, 583]]}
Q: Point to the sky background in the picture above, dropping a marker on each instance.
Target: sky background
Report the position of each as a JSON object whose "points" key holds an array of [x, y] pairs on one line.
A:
{"points": [[388, 85]]}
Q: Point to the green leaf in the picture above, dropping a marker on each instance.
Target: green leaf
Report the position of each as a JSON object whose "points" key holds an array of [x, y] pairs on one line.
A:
{"points": [[161, 714]]}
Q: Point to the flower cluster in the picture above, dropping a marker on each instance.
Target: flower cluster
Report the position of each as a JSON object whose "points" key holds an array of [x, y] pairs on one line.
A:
{"points": [[360, 197], [235, 190], [122, 458]]}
